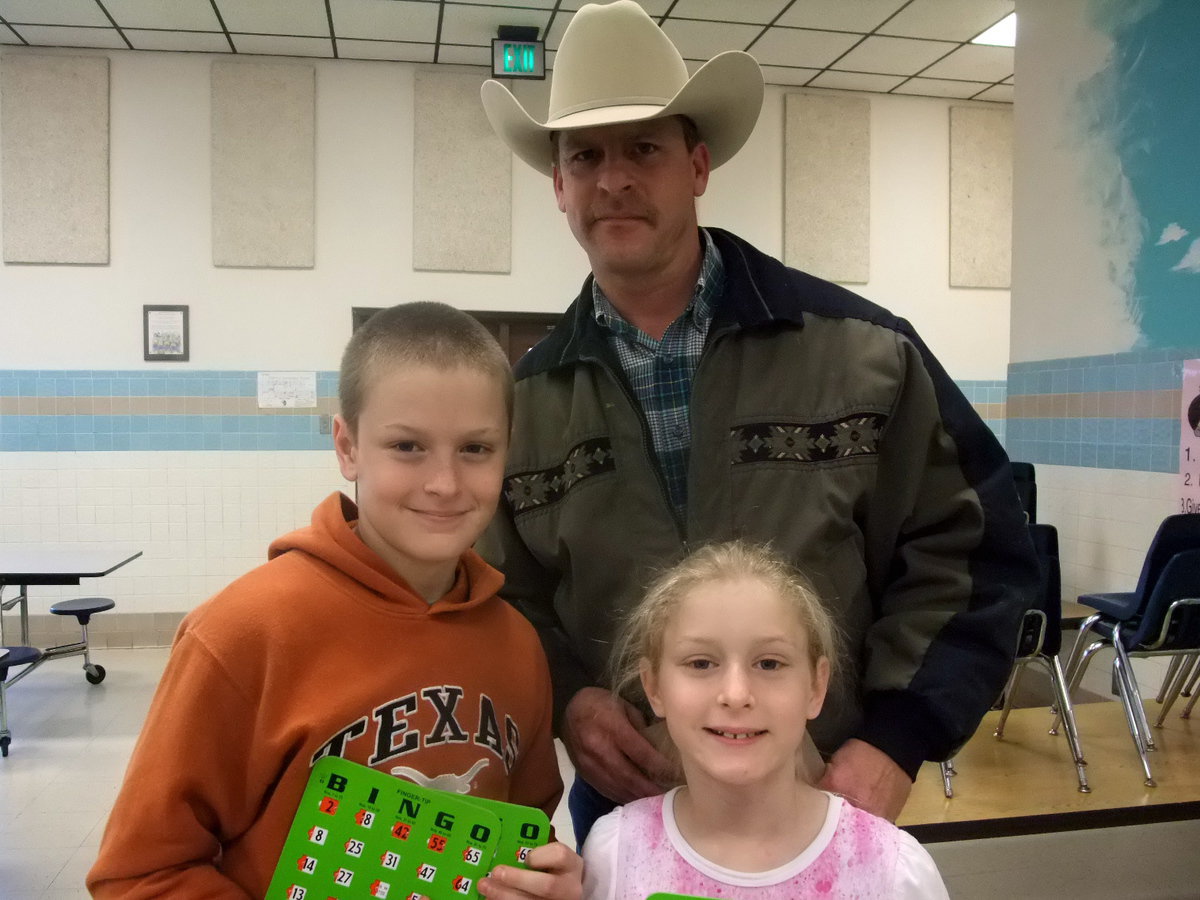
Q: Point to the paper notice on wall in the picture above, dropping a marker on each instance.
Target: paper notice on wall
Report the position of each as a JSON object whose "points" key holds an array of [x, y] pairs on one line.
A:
{"points": [[291, 390], [1189, 439]]}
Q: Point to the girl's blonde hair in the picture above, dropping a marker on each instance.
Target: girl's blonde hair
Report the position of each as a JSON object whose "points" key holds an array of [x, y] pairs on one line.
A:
{"points": [[641, 638]]}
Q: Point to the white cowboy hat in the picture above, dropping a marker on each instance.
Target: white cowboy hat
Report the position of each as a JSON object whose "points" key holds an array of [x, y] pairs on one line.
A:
{"points": [[615, 65]]}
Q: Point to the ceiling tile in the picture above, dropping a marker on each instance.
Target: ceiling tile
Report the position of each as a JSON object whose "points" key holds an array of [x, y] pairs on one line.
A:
{"points": [[65, 36], [840, 15], [282, 45], [786, 75], [53, 12], [933, 87], [977, 62], [999, 92], [393, 21], [704, 40], [536, 4], [947, 20], [893, 56], [856, 81], [797, 47], [394, 50], [195, 41], [467, 56], [476, 25], [655, 8], [758, 12], [178, 15], [298, 17]]}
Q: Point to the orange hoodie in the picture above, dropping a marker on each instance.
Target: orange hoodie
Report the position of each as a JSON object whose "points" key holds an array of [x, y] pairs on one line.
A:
{"points": [[322, 650]]}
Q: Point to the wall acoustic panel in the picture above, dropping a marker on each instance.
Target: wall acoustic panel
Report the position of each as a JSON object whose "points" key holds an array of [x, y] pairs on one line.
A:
{"points": [[462, 179], [981, 165], [827, 186], [263, 182], [54, 158]]}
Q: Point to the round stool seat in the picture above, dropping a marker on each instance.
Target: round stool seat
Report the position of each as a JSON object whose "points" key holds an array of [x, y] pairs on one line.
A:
{"points": [[20, 656], [82, 607]]}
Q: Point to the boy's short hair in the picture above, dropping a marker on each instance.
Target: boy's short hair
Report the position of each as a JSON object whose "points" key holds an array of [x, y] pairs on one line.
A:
{"points": [[422, 333]]}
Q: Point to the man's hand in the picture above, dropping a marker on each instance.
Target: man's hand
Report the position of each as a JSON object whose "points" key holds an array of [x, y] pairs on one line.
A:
{"points": [[555, 873], [868, 778], [602, 736]]}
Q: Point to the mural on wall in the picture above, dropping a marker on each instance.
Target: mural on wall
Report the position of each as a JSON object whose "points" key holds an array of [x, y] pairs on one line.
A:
{"points": [[1145, 105]]}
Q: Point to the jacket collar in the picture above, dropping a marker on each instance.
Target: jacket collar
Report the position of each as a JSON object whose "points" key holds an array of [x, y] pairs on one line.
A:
{"points": [[756, 289]]}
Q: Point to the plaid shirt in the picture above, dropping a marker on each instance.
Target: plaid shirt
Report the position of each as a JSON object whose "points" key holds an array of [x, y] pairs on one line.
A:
{"points": [[661, 372]]}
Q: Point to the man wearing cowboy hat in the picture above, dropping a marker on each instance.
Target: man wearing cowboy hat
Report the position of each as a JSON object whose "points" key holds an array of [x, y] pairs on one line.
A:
{"points": [[697, 390]]}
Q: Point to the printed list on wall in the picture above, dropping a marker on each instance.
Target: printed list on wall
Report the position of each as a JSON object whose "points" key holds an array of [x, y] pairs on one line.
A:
{"points": [[1189, 439]]}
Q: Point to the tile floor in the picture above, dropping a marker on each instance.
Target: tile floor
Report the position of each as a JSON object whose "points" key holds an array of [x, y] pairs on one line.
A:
{"points": [[71, 742]]}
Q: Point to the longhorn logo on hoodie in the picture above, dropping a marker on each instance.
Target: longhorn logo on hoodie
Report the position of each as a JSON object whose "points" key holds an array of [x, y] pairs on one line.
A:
{"points": [[390, 728]]}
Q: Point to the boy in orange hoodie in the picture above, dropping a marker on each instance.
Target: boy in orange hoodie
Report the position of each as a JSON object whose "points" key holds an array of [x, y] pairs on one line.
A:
{"points": [[375, 634]]}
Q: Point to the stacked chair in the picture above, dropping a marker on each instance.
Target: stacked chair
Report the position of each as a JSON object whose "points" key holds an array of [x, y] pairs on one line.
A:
{"points": [[1160, 617], [1040, 637]]}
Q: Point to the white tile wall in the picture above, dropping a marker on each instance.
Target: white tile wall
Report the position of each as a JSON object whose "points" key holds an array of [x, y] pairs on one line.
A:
{"points": [[201, 519]]}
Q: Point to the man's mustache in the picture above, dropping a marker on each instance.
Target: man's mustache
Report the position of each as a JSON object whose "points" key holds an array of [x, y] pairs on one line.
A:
{"points": [[621, 211]]}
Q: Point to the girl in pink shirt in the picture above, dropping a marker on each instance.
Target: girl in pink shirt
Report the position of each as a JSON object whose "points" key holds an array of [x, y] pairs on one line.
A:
{"points": [[733, 650]]}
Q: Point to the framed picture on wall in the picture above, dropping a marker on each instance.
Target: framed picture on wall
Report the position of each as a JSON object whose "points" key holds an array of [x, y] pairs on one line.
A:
{"points": [[165, 333]]}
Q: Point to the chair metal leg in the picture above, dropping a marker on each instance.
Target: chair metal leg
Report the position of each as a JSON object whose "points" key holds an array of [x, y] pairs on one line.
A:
{"points": [[1129, 699], [1074, 676], [1076, 657], [1139, 708], [1014, 678], [947, 773], [1059, 683], [1187, 710], [1169, 678], [1173, 685], [1190, 690]]}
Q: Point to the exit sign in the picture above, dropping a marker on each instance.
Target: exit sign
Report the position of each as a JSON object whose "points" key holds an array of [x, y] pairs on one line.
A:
{"points": [[518, 59]]}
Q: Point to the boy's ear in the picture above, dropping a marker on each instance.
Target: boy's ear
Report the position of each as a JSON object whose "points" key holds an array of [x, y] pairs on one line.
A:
{"points": [[345, 448], [650, 686], [820, 687]]}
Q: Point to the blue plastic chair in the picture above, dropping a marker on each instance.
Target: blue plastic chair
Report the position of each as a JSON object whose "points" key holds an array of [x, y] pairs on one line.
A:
{"points": [[14, 656], [1165, 620], [1175, 533], [1039, 642]]}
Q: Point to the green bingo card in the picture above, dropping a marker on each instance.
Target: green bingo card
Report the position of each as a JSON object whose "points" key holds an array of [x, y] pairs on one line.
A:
{"points": [[359, 833]]}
